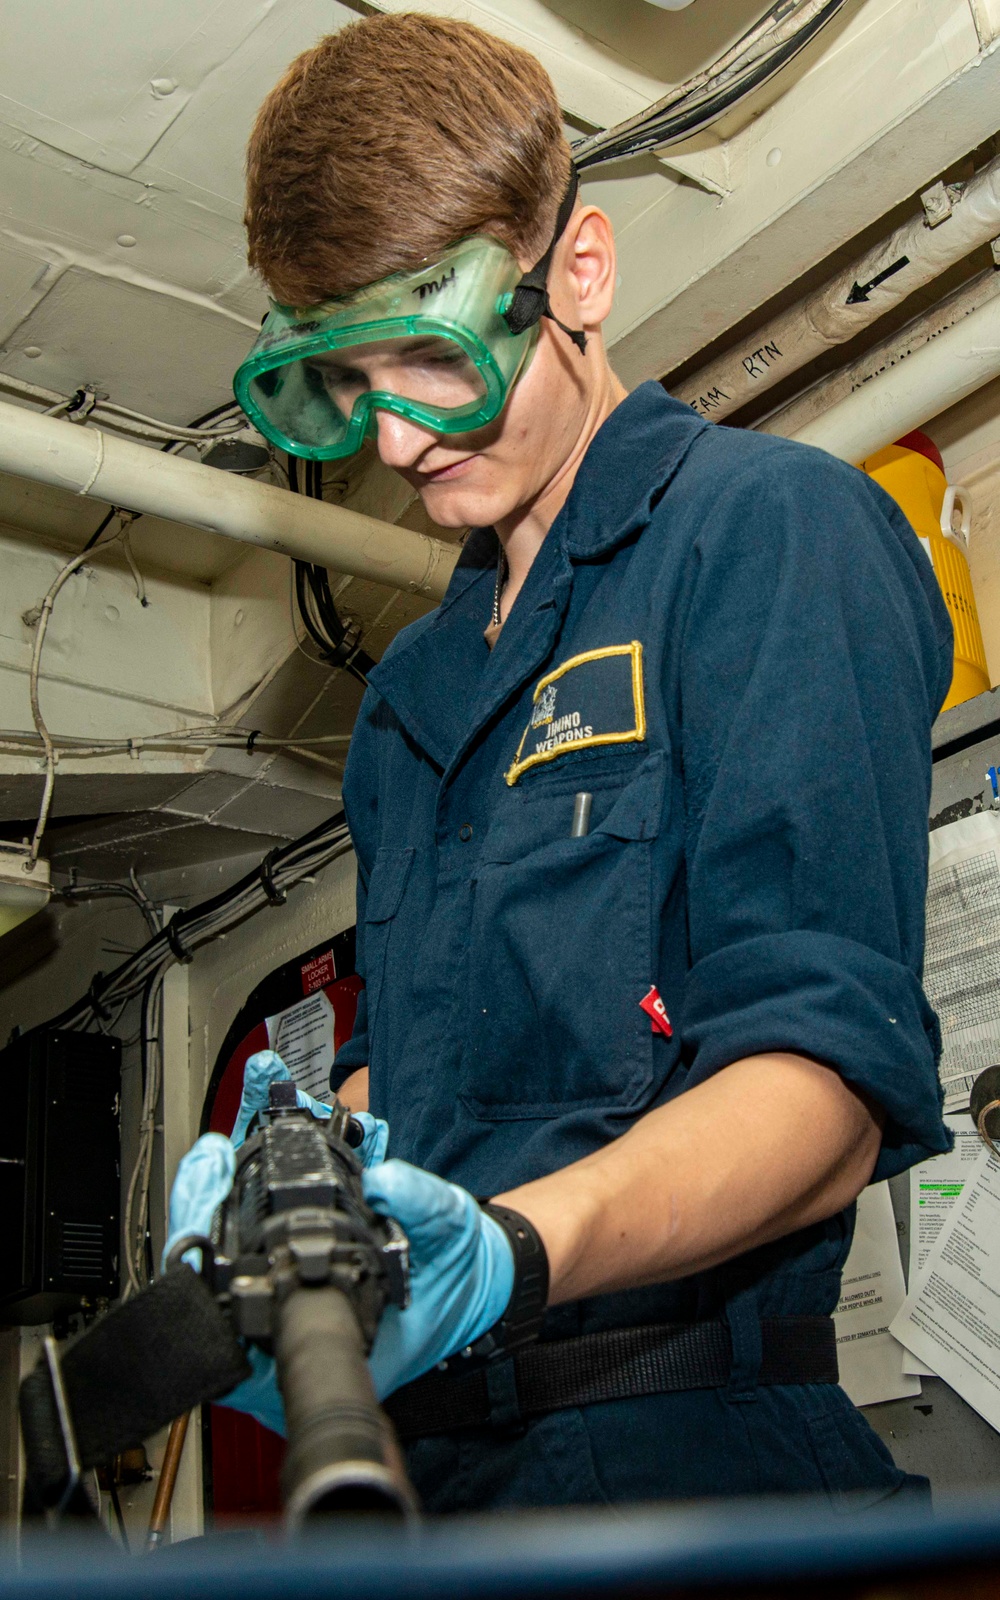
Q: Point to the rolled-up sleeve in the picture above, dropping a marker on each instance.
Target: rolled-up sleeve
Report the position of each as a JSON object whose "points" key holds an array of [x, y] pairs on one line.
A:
{"points": [[815, 653]]}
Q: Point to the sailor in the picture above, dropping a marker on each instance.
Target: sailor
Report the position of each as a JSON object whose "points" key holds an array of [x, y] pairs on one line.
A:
{"points": [[640, 814]]}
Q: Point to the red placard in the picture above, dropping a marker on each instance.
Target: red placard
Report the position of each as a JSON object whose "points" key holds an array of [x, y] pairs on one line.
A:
{"points": [[318, 973]]}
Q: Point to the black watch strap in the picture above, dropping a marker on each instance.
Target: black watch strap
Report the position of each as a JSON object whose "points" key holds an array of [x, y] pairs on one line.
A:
{"points": [[521, 1322]]}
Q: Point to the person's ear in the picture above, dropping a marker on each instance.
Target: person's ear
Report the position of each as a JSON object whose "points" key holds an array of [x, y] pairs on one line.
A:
{"points": [[587, 265]]}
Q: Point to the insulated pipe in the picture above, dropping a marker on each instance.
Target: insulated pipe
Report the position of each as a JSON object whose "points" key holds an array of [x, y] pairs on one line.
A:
{"points": [[914, 255], [957, 362], [789, 421], [121, 473]]}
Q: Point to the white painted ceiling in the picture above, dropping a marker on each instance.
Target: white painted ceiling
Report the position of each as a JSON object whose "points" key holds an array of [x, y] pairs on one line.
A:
{"points": [[122, 132], [123, 126]]}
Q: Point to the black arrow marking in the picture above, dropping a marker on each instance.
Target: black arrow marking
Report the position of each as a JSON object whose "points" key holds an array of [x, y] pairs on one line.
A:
{"points": [[861, 291]]}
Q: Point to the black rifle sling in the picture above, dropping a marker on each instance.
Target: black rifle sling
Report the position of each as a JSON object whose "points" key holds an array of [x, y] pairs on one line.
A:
{"points": [[148, 1361]]}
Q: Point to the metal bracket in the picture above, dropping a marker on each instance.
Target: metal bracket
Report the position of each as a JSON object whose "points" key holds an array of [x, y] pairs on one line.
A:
{"points": [[937, 202], [83, 402], [311, 1254], [253, 1305]]}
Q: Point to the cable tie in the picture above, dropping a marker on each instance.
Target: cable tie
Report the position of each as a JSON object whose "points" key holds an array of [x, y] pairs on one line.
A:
{"points": [[252, 740], [94, 998], [275, 896], [177, 946]]}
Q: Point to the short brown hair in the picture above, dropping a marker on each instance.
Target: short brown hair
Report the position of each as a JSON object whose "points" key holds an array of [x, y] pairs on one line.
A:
{"points": [[389, 141]]}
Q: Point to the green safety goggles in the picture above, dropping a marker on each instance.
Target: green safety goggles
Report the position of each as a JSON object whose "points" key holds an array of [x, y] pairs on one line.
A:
{"points": [[442, 345]]}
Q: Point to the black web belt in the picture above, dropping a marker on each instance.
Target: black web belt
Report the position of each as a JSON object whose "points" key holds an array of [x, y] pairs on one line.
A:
{"points": [[622, 1364]]}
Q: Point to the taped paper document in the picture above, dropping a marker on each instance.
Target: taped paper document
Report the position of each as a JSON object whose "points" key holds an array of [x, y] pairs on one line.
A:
{"points": [[951, 1317], [962, 961], [303, 1037], [872, 1291], [935, 1186]]}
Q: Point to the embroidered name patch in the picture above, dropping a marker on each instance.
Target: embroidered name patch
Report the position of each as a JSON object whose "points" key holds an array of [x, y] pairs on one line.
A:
{"points": [[594, 698]]}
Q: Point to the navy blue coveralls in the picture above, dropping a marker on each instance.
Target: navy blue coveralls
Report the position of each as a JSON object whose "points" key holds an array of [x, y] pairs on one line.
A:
{"points": [[737, 646]]}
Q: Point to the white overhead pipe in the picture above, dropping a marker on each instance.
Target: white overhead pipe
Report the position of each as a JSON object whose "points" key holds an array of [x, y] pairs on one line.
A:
{"points": [[948, 229], [789, 420], [955, 364], [121, 473]]}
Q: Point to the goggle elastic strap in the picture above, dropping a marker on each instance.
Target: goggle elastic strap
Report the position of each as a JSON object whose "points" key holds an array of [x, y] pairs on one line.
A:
{"points": [[530, 300]]}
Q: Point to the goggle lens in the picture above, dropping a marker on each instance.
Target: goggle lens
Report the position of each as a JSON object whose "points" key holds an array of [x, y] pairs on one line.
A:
{"points": [[432, 371]]}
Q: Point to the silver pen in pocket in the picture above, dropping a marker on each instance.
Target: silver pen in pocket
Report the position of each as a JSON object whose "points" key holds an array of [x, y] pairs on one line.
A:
{"points": [[581, 815]]}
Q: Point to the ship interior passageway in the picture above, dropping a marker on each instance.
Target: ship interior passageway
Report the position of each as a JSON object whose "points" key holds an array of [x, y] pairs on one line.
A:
{"points": [[500, 654]]}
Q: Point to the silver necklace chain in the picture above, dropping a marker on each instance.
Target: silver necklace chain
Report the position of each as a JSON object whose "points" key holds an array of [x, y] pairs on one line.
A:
{"points": [[499, 586]]}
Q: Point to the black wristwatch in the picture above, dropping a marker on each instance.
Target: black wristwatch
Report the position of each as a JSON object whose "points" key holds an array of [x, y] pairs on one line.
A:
{"points": [[521, 1323]]}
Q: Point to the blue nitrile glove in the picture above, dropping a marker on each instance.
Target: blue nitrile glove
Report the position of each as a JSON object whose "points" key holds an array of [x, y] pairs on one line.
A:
{"points": [[263, 1069], [266, 1067], [259, 1396], [461, 1273], [376, 1141], [204, 1179]]}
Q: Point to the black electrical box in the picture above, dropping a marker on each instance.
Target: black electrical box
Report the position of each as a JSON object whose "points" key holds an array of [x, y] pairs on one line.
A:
{"points": [[60, 1183]]}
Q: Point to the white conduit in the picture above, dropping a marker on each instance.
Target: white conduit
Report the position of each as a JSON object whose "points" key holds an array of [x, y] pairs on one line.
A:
{"points": [[826, 318], [953, 365], [121, 473], [789, 421]]}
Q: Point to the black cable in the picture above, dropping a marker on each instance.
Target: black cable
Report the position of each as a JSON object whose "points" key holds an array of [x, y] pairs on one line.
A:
{"points": [[357, 662], [196, 924], [148, 991], [314, 598], [74, 893], [301, 579], [216, 411], [649, 131]]}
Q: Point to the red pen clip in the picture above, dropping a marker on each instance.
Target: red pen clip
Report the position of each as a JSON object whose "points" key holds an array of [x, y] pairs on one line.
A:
{"points": [[656, 1011]]}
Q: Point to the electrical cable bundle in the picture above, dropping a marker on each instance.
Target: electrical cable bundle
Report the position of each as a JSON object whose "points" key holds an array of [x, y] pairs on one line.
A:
{"points": [[337, 643], [143, 974], [88, 404], [763, 50], [187, 931], [195, 428]]}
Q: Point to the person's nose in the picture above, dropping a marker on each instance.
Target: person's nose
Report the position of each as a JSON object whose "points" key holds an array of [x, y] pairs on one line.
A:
{"points": [[400, 442]]}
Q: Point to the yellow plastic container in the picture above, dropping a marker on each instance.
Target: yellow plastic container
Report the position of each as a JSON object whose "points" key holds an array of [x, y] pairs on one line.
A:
{"points": [[912, 472]]}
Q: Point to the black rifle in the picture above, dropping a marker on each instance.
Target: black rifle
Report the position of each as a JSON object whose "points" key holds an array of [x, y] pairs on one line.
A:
{"points": [[304, 1269], [296, 1263]]}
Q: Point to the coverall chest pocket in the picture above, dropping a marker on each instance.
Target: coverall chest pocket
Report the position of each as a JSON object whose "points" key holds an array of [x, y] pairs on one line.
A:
{"points": [[562, 948], [385, 895]]}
